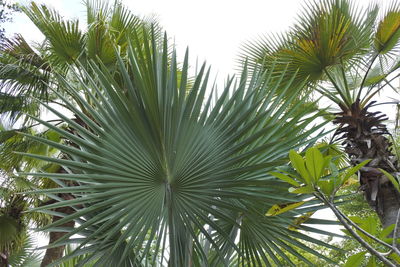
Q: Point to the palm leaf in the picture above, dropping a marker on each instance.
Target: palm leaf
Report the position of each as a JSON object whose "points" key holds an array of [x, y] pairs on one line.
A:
{"points": [[327, 33], [26, 256], [23, 73], [156, 167], [388, 32], [65, 39]]}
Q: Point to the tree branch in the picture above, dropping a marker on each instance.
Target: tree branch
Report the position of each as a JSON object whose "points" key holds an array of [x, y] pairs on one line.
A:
{"points": [[354, 234]]}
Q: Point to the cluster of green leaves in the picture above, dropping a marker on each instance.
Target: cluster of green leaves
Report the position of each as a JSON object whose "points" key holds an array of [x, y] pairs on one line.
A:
{"points": [[15, 241], [371, 225], [316, 172], [26, 255]]}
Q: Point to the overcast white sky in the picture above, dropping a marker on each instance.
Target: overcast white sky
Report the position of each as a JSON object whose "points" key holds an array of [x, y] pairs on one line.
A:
{"points": [[213, 29]]}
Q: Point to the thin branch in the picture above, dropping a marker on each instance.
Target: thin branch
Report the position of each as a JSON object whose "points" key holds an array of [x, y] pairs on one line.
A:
{"points": [[36, 124], [363, 231], [354, 234]]}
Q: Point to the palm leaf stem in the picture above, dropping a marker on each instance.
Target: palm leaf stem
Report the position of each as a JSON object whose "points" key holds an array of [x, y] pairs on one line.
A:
{"points": [[336, 86], [367, 98], [366, 74]]}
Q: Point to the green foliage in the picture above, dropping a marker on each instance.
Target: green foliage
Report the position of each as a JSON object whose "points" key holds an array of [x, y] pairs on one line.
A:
{"points": [[27, 72], [316, 172], [157, 169], [74, 261], [9, 231], [188, 170], [26, 256], [355, 260], [344, 52], [388, 32]]}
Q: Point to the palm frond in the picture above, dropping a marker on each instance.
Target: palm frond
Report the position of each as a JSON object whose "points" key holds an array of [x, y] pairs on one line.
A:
{"points": [[26, 256], [65, 39], [156, 165], [327, 33], [23, 73], [387, 34]]}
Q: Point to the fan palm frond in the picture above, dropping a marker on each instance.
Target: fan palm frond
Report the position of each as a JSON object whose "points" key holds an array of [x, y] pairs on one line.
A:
{"points": [[23, 73], [156, 165], [65, 39], [26, 256]]}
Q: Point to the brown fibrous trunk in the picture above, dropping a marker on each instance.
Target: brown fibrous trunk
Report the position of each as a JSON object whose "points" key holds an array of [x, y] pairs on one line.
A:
{"points": [[365, 137], [53, 254]]}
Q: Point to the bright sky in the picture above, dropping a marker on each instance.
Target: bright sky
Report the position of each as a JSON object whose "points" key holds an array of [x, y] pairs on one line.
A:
{"points": [[213, 29]]}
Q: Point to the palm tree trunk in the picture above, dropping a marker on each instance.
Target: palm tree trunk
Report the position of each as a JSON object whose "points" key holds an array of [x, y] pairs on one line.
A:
{"points": [[364, 135], [3, 259], [53, 254]]}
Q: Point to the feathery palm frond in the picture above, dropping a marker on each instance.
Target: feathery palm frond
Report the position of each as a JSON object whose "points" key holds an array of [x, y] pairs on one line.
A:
{"points": [[27, 73]]}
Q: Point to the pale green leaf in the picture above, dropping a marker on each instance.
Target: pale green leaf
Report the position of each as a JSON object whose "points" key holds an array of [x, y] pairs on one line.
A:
{"points": [[355, 260]]}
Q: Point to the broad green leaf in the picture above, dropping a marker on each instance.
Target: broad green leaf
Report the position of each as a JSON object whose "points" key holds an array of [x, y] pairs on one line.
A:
{"points": [[355, 260], [53, 136], [327, 161], [372, 262], [395, 257], [385, 232], [368, 224], [297, 162], [281, 208], [327, 187], [314, 163], [308, 189], [300, 220]]}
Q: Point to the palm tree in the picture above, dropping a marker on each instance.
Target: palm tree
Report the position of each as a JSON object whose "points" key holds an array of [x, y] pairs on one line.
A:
{"points": [[348, 55], [16, 245], [159, 174], [28, 72]]}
